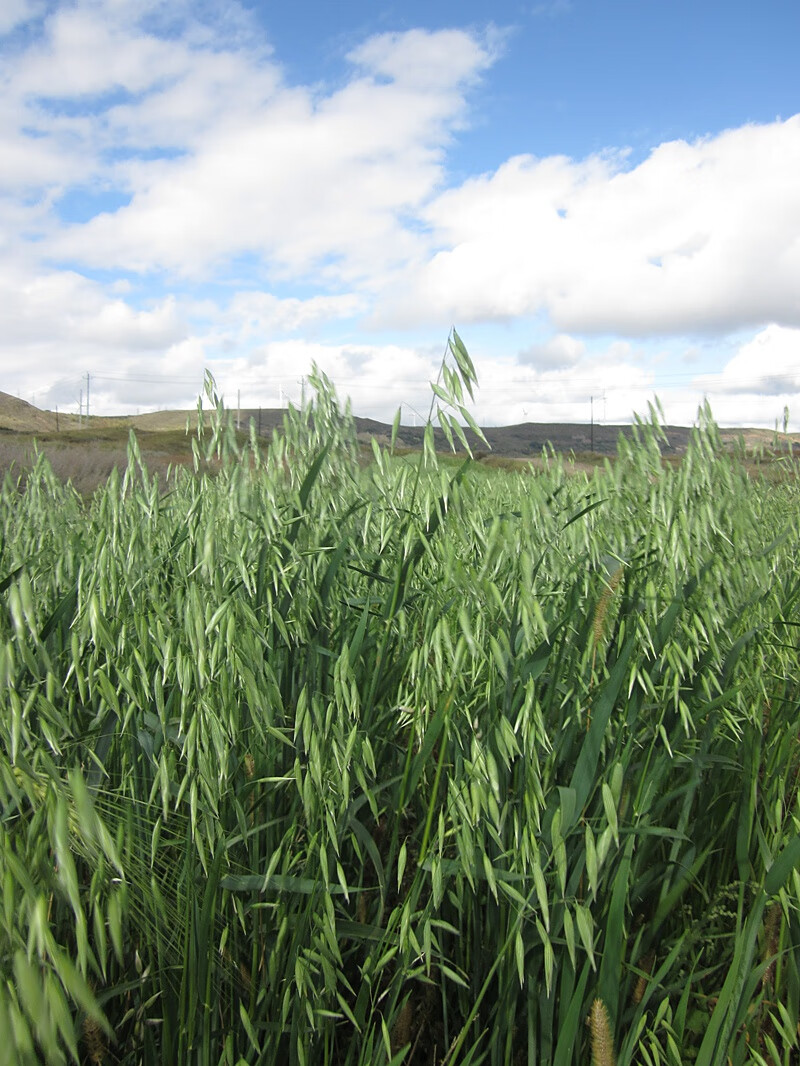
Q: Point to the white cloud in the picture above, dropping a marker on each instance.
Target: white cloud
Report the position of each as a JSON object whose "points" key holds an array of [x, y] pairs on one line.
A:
{"points": [[82, 55], [429, 61], [99, 87], [55, 326], [376, 378], [559, 380], [15, 13], [700, 236], [766, 366], [303, 178], [559, 351], [64, 307], [260, 313]]}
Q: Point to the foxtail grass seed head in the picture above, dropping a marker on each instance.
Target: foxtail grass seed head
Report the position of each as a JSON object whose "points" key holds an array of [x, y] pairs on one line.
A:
{"points": [[403, 1028], [602, 1043], [94, 1042]]}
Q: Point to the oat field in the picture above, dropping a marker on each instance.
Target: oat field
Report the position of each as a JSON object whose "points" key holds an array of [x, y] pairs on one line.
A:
{"points": [[311, 762]]}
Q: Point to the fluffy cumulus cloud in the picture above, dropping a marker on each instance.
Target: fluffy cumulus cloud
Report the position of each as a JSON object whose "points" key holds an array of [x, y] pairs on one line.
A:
{"points": [[75, 311], [558, 351], [245, 164], [699, 236], [56, 326], [759, 382], [769, 365], [141, 143]]}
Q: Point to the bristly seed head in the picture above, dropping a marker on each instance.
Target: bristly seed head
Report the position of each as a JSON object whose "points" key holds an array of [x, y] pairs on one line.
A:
{"points": [[93, 1039], [602, 1044]]}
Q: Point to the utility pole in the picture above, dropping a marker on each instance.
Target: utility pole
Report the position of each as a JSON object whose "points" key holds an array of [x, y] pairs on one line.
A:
{"points": [[87, 397], [591, 405]]}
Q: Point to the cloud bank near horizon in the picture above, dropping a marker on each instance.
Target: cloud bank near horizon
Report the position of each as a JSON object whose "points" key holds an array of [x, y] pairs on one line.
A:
{"points": [[170, 200]]}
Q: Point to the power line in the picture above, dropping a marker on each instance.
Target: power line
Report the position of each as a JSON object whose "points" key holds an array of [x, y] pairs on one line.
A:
{"points": [[554, 376], [147, 380], [549, 389]]}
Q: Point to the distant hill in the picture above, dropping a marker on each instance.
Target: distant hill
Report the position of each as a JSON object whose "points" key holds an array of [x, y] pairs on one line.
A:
{"points": [[18, 415], [527, 440], [524, 441]]}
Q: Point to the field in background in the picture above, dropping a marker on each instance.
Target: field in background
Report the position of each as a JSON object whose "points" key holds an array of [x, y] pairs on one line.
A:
{"points": [[403, 762], [85, 454]]}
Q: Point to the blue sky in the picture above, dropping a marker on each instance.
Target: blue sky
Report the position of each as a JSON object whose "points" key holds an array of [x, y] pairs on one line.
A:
{"points": [[601, 196], [577, 77]]}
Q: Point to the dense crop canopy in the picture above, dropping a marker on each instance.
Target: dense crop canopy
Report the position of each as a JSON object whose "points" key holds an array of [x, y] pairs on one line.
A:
{"points": [[306, 762]]}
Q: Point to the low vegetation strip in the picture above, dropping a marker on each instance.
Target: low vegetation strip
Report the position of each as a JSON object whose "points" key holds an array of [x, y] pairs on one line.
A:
{"points": [[311, 763]]}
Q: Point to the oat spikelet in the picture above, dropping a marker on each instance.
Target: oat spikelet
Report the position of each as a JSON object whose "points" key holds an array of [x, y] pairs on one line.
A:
{"points": [[602, 1044], [93, 1039], [603, 604], [244, 977], [599, 623], [249, 772]]}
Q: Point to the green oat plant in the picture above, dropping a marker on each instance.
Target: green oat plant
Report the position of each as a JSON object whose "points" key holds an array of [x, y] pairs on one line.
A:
{"points": [[305, 761]]}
